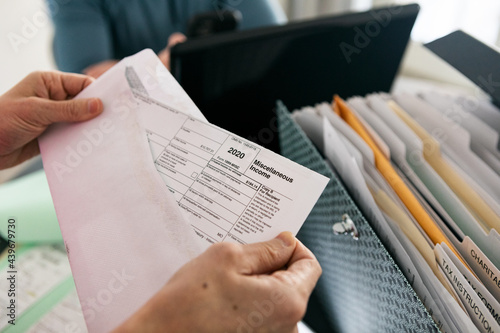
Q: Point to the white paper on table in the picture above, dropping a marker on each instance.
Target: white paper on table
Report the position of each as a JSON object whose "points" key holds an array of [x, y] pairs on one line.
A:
{"points": [[303, 328], [124, 231], [65, 316], [38, 271]]}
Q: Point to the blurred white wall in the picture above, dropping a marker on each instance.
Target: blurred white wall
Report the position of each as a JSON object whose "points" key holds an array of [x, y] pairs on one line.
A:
{"points": [[305, 9], [25, 40], [480, 18]]}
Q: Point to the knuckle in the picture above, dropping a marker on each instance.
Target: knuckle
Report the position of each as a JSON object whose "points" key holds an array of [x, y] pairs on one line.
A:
{"points": [[35, 74], [318, 268], [295, 308], [314, 267], [272, 254], [71, 111], [29, 104], [28, 111], [228, 252], [269, 255]]}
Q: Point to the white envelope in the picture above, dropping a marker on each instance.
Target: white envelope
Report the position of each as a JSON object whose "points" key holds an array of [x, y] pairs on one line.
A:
{"points": [[114, 274]]}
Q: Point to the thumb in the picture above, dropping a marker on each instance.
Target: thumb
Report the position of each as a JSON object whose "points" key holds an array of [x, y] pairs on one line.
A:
{"points": [[267, 257], [73, 110]]}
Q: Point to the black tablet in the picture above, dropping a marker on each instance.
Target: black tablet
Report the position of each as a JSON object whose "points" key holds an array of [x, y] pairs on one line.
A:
{"points": [[235, 78]]}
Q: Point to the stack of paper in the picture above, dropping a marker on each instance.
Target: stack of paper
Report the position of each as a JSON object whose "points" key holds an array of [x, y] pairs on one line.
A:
{"points": [[425, 172]]}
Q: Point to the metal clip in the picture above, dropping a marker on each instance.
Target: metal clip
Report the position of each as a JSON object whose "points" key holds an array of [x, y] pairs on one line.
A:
{"points": [[346, 227]]}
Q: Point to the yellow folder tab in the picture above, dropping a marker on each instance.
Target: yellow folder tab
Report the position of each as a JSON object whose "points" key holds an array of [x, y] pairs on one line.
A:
{"points": [[388, 172], [432, 154]]}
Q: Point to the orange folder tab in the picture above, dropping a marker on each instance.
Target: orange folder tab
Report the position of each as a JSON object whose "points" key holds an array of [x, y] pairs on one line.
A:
{"points": [[391, 176]]}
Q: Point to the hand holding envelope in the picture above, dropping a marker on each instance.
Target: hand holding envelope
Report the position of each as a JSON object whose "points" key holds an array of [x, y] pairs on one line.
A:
{"points": [[147, 219], [123, 230], [35, 103]]}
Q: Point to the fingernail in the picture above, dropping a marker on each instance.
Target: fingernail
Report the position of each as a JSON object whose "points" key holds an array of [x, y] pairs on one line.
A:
{"points": [[287, 238], [93, 106]]}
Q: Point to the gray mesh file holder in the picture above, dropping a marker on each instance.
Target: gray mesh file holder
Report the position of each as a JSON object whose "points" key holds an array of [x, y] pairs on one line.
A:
{"points": [[361, 289]]}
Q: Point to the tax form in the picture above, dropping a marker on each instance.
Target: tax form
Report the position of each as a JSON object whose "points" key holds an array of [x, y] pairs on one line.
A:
{"points": [[127, 207], [231, 189]]}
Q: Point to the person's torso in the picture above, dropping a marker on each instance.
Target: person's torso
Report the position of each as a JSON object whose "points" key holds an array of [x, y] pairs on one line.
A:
{"points": [[140, 24]]}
